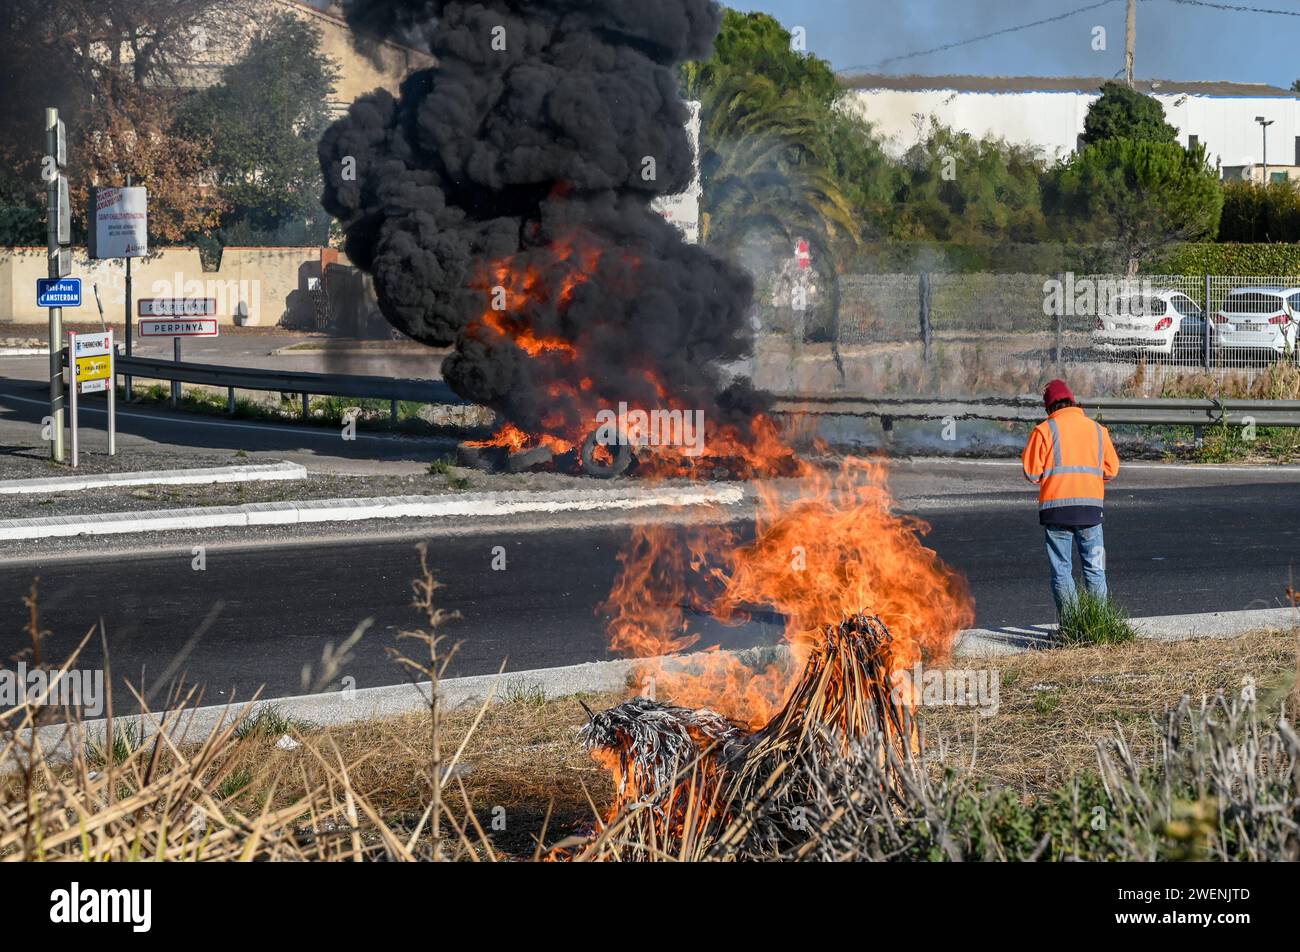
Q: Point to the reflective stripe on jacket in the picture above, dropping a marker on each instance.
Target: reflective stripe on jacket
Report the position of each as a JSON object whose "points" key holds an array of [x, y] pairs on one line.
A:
{"points": [[1069, 457]]}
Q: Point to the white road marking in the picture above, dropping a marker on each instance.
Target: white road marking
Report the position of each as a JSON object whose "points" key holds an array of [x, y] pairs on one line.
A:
{"points": [[254, 472], [380, 507]]}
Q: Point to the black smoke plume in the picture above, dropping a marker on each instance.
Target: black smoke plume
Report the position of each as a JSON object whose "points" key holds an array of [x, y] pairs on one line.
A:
{"points": [[518, 161]]}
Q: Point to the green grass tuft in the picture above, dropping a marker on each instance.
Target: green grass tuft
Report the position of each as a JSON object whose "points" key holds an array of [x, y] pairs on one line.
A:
{"points": [[1089, 620], [235, 783], [128, 737], [269, 722], [518, 691]]}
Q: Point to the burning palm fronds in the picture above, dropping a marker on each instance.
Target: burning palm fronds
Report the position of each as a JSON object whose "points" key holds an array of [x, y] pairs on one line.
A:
{"points": [[690, 783]]}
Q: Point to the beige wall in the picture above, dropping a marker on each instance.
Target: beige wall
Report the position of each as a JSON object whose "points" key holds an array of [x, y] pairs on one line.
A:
{"points": [[358, 75], [270, 281], [384, 64], [1255, 173]]}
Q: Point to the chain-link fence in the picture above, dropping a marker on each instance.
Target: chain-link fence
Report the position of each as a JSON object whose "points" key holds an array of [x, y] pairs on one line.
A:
{"points": [[978, 334]]}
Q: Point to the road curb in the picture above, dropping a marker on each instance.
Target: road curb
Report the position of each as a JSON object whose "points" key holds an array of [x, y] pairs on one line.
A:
{"points": [[251, 472], [379, 507], [985, 642], [335, 708]]}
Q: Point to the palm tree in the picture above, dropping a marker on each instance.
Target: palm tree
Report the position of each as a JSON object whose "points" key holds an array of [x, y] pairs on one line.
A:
{"points": [[762, 169]]}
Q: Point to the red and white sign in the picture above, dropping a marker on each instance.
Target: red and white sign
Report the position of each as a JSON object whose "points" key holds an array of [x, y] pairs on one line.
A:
{"points": [[176, 307], [180, 327], [802, 253]]}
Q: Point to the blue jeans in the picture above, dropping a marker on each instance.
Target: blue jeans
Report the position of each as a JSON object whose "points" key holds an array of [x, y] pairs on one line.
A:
{"points": [[1061, 541]]}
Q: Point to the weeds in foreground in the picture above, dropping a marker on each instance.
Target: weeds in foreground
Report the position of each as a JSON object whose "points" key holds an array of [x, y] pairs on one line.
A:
{"points": [[269, 721], [128, 739], [1093, 620], [523, 692]]}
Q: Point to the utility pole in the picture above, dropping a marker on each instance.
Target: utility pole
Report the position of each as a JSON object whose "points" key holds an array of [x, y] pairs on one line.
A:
{"points": [[128, 318], [58, 218], [1130, 42], [1263, 125]]}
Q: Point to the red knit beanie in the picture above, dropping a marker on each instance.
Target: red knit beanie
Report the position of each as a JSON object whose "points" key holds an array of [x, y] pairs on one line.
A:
{"points": [[1057, 390]]}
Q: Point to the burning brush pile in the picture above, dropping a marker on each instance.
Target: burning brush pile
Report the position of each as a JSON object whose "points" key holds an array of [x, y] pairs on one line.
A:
{"points": [[693, 784]]}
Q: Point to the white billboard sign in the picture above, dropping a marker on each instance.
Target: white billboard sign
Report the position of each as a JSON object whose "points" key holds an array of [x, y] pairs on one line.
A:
{"points": [[119, 222]]}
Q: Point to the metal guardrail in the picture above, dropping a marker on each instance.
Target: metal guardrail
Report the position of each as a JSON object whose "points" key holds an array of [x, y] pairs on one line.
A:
{"points": [[1150, 411], [285, 381]]}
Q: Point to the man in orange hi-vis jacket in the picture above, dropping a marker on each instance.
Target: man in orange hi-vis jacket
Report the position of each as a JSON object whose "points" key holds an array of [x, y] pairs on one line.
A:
{"points": [[1070, 458]]}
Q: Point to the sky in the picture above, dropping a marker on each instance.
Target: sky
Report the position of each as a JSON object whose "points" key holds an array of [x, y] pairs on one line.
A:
{"points": [[1176, 39]]}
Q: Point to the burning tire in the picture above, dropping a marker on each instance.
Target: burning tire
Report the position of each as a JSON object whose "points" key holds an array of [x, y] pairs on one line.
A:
{"points": [[603, 460], [531, 458], [487, 459]]}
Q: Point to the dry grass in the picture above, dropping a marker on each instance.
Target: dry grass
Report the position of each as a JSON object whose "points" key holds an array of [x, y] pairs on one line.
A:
{"points": [[1054, 708], [1056, 705], [523, 756], [1280, 381]]}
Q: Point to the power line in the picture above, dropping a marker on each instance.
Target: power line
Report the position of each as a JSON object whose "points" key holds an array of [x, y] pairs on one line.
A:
{"points": [[976, 39], [1236, 8]]}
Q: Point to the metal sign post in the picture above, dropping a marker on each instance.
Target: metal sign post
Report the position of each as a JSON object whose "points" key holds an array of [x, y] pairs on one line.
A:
{"points": [[58, 234], [72, 397]]}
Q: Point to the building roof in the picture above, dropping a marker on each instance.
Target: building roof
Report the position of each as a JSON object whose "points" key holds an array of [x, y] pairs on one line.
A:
{"points": [[1060, 84]]}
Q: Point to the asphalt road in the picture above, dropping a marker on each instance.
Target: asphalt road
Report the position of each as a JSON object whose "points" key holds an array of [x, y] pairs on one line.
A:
{"points": [[270, 609]]}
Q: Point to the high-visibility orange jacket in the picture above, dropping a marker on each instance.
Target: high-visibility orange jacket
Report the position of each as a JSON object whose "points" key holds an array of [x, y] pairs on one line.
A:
{"points": [[1070, 457]]}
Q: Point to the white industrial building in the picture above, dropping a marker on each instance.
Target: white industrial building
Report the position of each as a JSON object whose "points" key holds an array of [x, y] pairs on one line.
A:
{"points": [[1048, 113]]}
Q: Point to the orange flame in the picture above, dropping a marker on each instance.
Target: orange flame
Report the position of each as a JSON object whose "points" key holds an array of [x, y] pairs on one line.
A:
{"points": [[829, 550]]}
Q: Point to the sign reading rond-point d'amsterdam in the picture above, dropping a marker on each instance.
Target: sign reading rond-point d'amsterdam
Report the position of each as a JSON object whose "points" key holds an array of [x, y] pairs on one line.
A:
{"points": [[58, 292], [119, 222]]}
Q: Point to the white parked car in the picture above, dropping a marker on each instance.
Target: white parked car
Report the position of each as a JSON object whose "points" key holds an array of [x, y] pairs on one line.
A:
{"points": [[1262, 318], [1159, 322]]}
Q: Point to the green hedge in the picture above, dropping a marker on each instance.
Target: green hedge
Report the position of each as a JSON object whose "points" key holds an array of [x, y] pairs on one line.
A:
{"points": [[1253, 212], [939, 257], [1193, 258], [1275, 259]]}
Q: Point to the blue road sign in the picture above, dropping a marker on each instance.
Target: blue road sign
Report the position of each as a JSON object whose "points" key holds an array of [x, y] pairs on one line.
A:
{"points": [[58, 292]]}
